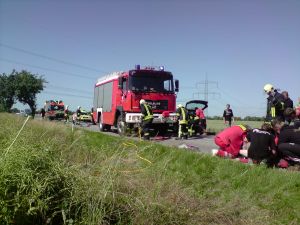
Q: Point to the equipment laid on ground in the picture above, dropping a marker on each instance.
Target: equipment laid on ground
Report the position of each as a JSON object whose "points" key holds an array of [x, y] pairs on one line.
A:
{"points": [[117, 96], [54, 110]]}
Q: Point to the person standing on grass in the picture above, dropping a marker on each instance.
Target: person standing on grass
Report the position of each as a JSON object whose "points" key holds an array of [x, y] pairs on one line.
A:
{"points": [[230, 141], [43, 112], [228, 116], [275, 103], [288, 103], [66, 114]]}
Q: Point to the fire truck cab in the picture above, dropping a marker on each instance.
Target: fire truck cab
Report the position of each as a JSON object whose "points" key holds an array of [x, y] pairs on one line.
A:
{"points": [[117, 97]]}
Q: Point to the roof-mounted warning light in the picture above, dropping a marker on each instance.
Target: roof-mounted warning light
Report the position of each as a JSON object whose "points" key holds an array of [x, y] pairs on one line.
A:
{"points": [[161, 68], [137, 67]]}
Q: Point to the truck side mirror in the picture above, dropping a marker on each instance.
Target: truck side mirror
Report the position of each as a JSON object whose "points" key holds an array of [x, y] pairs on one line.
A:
{"points": [[176, 85], [120, 82]]}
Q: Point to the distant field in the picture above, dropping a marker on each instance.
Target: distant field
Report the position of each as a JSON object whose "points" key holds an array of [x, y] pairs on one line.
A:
{"points": [[218, 125]]}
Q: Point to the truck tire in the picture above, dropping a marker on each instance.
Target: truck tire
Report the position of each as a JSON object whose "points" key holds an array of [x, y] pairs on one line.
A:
{"points": [[101, 125], [107, 127], [121, 126]]}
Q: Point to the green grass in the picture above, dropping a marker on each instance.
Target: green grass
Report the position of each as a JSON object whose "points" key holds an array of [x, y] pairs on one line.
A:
{"points": [[218, 125], [53, 176]]}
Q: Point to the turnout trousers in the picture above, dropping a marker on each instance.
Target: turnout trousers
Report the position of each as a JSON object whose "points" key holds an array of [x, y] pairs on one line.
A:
{"points": [[183, 130], [146, 125]]}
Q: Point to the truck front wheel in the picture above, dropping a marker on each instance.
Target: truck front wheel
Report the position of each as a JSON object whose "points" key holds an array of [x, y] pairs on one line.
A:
{"points": [[121, 126], [101, 125]]}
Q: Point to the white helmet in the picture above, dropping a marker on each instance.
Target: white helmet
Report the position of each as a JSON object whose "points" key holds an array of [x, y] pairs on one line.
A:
{"points": [[179, 106], [78, 107], [67, 106], [268, 88], [142, 101]]}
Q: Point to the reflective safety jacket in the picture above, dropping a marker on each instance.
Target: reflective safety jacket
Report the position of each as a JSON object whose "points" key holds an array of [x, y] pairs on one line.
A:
{"points": [[182, 114], [146, 110], [275, 106]]}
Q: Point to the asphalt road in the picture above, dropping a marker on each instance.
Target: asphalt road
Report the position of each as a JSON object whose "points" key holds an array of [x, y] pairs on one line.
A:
{"points": [[202, 144]]}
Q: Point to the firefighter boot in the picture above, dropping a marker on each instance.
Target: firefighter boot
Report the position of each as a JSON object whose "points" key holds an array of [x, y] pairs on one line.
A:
{"points": [[146, 136]]}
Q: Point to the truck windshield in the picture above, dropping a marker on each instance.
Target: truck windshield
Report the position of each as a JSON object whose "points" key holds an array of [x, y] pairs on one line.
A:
{"points": [[151, 81]]}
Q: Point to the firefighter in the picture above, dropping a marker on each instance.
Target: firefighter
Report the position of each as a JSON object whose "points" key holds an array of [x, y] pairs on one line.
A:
{"points": [[197, 122], [43, 112], [193, 123], [275, 103], [78, 111], [182, 115], [66, 114], [147, 118]]}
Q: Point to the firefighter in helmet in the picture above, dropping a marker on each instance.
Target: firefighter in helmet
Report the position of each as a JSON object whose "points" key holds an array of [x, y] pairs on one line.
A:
{"points": [[182, 115], [66, 114], [275, 103], [147, 118], [78, 111]]}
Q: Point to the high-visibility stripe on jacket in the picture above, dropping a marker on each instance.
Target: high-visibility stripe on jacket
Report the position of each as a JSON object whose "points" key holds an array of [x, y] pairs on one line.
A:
{"points": [[182, 114], [242, 127], [273, 112], [147, 111]]}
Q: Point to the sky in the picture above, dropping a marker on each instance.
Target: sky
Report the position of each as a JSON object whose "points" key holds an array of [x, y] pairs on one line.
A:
{"points": [[238, 46]]}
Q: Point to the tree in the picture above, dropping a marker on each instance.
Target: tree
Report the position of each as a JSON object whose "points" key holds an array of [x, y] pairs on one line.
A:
{"points": [[7, 91], [28, 85]]}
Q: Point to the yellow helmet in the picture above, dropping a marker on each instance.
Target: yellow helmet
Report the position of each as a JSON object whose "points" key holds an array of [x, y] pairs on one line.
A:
{"points": [[268, 88]]}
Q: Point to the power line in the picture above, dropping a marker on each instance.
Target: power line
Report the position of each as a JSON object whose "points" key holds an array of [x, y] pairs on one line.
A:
{"points": [[48, 69], [231, 96], [206, 92], [70, 89], [51, 58], [63, 94]]}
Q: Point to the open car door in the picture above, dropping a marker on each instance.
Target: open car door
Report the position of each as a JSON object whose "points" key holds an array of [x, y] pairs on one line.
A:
{"points": [[192, 105]]}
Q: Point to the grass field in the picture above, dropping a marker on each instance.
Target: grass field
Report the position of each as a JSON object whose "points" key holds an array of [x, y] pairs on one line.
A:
{"points": [[218, 125], [51, 175]]}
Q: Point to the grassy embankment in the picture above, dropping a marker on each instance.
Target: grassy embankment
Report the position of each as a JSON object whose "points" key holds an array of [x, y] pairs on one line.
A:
{"points": [[53, 176]]}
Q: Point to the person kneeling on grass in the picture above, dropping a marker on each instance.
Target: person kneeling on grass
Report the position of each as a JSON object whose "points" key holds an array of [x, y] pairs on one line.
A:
{"points": [[230, 141], [289, 144], [262, 145]]}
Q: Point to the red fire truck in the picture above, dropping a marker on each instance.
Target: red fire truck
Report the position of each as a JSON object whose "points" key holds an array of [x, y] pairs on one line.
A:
{"points": [[54, 110], [117, 97]]}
